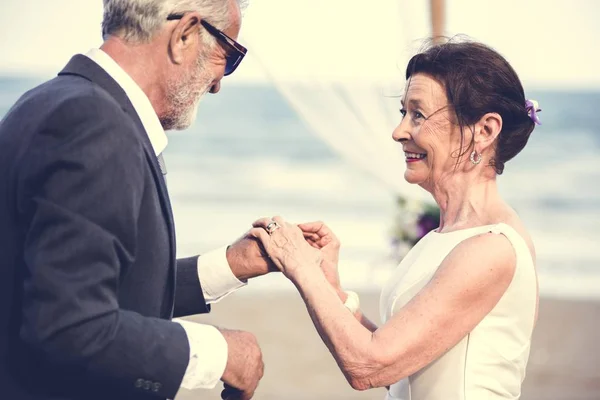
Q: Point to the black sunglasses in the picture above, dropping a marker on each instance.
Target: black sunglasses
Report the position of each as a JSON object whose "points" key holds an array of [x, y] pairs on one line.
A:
{"points": [[235, 51]]}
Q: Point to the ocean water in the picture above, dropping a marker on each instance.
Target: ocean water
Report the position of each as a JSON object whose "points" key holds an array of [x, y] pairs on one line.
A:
{"points": [[249, 155]]}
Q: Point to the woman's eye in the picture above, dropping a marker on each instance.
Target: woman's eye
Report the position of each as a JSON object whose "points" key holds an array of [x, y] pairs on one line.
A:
{"points": [[403, 112], [418, 115]]}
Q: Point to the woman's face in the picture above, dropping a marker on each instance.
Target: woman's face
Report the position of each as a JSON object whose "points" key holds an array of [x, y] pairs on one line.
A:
{"points": [[429, 135]]}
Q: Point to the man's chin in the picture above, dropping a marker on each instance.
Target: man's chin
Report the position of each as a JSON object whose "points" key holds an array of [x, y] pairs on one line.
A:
{"points": [[183, 125], [191, 116], [182, 121]]}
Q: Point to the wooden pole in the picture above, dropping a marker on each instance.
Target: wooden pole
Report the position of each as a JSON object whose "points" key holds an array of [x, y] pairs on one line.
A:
{"points": [[437, 9]]}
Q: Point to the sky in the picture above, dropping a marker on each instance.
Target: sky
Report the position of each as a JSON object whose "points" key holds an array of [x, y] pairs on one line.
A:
{"points": [[551, 43]]}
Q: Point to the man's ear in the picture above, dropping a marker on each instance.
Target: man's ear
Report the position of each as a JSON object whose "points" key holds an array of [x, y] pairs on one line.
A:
{"points": [[185, 36], [486, 131]]}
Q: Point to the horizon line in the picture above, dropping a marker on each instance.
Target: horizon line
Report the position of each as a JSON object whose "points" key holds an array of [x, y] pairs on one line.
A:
{"points": [[261, 81]]}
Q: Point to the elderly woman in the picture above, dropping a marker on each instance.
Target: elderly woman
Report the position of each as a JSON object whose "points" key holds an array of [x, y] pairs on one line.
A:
{"points": [[459, 311]]}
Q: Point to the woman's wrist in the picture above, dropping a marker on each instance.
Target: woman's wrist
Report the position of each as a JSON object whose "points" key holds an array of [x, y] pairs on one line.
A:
{"points": [[304, 278], [307, 279], [302, 273]]}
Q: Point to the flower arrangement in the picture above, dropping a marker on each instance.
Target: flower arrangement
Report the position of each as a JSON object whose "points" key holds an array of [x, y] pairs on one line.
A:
{"points": [[413, 221]]}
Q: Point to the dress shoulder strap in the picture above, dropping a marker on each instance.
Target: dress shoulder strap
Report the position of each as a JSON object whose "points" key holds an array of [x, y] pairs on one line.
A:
{"points": [[518, 242]]}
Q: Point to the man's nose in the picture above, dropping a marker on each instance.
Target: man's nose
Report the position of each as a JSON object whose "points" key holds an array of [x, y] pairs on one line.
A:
{"points": [[214, 89]]}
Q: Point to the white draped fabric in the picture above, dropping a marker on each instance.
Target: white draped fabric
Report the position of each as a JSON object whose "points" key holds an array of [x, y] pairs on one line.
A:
{"points": [[345, 82]]}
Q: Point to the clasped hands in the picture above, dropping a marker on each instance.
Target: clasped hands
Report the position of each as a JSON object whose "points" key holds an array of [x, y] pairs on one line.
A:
{"points": [[299, 248], [276, 245]]}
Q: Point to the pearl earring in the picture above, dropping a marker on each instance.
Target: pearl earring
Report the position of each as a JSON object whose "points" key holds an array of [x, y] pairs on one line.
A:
{"points": [[473, 159]]}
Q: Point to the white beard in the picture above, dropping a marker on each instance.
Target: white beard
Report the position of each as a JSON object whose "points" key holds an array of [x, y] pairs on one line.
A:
{"points": [[184, 98]]}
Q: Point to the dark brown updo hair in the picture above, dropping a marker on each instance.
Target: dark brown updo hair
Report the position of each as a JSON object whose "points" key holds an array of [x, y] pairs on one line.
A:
{"points": [[478, 80]]}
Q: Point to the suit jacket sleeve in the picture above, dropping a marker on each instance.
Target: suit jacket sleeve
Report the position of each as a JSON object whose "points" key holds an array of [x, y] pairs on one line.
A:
{"points": [[80, 186], [189, 298]]}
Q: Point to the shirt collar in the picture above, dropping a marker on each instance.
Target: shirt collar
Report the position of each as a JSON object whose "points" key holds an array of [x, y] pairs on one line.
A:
{"points": [[136, 95]]}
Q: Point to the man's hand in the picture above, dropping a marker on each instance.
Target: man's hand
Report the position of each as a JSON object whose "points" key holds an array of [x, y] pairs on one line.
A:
{"points": [[248, 259], [244, 367]]}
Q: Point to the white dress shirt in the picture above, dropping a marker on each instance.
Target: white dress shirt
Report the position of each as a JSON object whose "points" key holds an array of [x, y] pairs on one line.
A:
{"points": [[214, 272]]}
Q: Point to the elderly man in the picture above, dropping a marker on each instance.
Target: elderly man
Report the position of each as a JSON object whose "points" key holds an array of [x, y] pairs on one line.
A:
{"points": [[89, 281]]}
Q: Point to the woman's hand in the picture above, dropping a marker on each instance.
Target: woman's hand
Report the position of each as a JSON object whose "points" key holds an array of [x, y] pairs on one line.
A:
{"points": [[286, 246], [319, 236]]}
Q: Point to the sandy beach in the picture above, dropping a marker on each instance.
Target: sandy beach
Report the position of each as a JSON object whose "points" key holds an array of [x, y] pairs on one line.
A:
{"points": [[564, 362]]}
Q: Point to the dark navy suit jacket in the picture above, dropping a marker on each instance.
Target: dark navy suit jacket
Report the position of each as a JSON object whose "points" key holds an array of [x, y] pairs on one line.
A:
{"points": [[88, 275]]}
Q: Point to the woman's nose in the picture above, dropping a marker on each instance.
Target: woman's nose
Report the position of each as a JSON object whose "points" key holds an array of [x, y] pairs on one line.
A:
{"points": [[400, 134]]}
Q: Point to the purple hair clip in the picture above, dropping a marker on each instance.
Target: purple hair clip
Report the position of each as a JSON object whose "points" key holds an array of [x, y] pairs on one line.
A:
{"points": [[533, 108]]}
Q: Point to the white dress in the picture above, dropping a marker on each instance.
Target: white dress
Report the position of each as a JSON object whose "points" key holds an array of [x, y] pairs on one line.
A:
{"points": [[490, 362]]}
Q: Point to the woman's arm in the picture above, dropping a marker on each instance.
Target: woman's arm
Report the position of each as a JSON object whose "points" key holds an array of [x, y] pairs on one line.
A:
{"points": [[319, 236], [342, 295], [467, 286]]}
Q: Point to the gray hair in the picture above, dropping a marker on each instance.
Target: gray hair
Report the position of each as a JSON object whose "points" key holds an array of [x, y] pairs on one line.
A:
{"points": [[139, 20]]}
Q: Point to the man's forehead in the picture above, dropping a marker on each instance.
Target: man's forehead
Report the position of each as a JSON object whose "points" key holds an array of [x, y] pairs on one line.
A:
{"points": [[235, 15]]}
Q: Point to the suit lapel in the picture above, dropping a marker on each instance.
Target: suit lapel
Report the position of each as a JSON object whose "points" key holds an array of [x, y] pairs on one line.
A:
{"points": [[82, 66]]}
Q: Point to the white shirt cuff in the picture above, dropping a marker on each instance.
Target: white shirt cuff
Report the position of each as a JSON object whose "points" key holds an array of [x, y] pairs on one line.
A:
{"points": [[215, 275], [208, 356]]}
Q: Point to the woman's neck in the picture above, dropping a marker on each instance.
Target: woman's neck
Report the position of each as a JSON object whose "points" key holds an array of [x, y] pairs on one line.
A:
{"points": [[466, 202]]}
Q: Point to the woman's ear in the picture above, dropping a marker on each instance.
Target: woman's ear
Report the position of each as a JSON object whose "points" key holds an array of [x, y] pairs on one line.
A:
{"points": [[486, 131]]}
